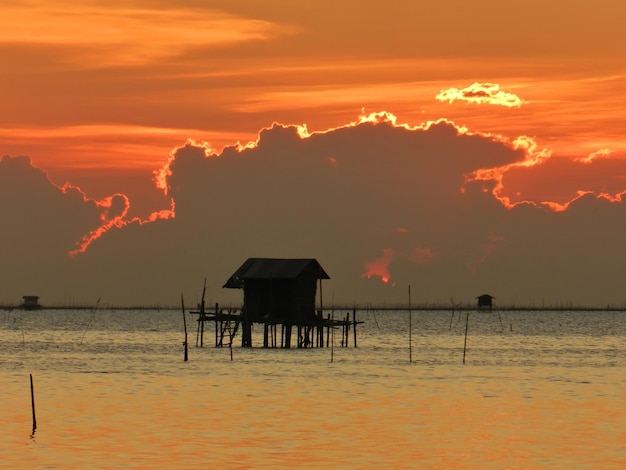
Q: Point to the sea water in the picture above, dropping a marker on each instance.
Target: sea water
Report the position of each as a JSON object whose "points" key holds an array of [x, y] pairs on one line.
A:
{"points": [[537, 390]]}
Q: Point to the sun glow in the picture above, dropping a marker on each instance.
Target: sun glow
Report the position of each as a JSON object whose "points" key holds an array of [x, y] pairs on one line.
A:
{"points": [[380, 266]]}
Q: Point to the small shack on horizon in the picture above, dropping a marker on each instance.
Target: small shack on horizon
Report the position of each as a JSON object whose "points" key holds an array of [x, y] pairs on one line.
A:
{"points": [[30, 302], [485, 301]]}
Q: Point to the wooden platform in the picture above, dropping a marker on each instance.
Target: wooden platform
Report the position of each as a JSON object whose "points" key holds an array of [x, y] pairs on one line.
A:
{"points": [[316, 332]]}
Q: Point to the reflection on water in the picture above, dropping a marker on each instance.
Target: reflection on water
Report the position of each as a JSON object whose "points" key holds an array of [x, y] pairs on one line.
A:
{"points": [[538, 390]]}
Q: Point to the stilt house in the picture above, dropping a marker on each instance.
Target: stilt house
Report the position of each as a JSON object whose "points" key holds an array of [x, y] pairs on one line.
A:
{"points": [[278, 290]]}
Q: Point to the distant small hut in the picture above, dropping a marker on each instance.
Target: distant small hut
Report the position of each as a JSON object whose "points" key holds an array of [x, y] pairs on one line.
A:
{"points": [[485, 301], [278, 291], [30, 302]]}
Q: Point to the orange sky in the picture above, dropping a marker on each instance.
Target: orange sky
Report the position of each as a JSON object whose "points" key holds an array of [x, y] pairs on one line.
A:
{"points": [[99, 95], [118, 85]]}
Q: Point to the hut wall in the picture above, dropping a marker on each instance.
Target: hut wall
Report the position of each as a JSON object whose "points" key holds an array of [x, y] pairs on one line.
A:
{"points": [[282, 300], [268, 298]]}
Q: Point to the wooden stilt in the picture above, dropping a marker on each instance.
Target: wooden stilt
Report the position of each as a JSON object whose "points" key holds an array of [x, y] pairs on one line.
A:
{"points": [[198, 333], [328, 331], [288, 329], [217, 330]]}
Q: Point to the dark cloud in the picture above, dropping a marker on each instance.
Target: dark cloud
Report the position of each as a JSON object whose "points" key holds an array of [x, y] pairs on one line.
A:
{"points": [[372, 198], [41, 223]]}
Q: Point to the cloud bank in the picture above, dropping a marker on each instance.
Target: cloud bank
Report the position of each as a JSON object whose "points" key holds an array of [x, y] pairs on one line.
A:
{"points": [[380, 205]]}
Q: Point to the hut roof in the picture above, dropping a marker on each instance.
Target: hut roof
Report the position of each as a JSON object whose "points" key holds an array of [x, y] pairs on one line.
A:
{"points": [[273, 268]]}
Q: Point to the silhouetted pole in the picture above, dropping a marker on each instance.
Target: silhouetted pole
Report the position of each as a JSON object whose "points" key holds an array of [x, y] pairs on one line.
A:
{"points": [[217, 340], [32, 401], [465, 342], [182, 303], [202, 315], [410, 328], [354, 325], [452, 316], [332, 334], [93, 316]]}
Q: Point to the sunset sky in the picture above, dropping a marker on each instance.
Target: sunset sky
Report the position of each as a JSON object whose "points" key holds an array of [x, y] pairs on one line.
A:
{"points": [[459, 147]]}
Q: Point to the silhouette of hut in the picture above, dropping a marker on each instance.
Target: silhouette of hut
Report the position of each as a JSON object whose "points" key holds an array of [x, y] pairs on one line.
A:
{"points": [[485, 301], [281, 290], [30, 302], [277, 291]]}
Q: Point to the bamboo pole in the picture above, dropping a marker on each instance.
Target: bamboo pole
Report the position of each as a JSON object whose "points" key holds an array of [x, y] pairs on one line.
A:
{"points": [[354, 324], [410, 328], [465, 342], [452, 316], [182, 303], [331, 335], [198, 332], [32, 401], [217, 339], [93, 316]]}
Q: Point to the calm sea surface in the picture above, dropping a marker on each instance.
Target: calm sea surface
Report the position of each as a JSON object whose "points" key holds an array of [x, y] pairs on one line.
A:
{"points": [[538, 390]]}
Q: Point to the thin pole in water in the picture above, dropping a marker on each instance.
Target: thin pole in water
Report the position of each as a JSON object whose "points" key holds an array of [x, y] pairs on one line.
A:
{"points": [[182, 303], [32, 401], [332, 333], [465, 342], [410, 328], [93, 316], [452, 316]]}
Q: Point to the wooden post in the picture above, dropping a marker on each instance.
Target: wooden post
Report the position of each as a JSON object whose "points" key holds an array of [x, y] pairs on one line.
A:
{"points": [[266, 333], [410, 328], [354, 324], [198, 331], [32, 401], [202, 315], [465, 342], [216, 327], [451, 317], [329, 323], [182, 303], [331, 334]]}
